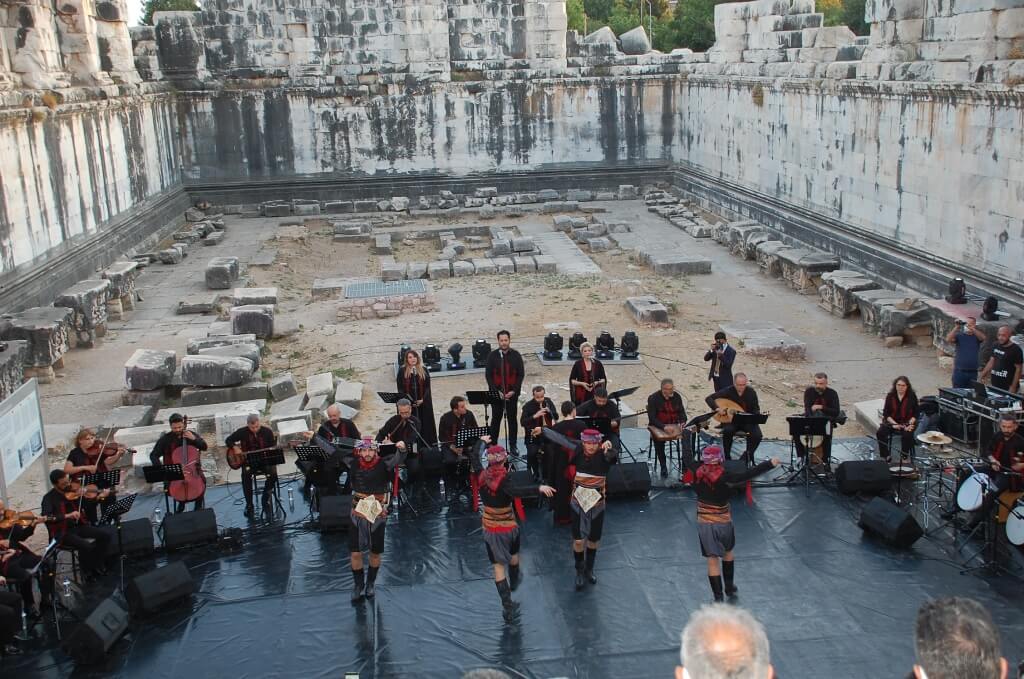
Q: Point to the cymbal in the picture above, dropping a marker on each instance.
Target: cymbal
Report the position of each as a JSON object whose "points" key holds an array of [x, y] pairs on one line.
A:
{"points": [[934, 438]]}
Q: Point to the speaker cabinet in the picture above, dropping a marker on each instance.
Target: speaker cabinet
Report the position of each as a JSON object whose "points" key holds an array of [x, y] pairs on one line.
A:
{"points": [[628, 479], [863, 476], [91, 640], [890, 523], [136, 538], [190, 528], [153, 591], [335, 513]]}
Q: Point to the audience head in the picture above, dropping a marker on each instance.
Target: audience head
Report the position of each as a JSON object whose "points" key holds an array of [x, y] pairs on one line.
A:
{"points": [[724, 642], [955, 638]]}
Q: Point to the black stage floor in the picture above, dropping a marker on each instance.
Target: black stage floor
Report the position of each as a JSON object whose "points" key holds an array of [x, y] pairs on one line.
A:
{"points": [[835, 603]]}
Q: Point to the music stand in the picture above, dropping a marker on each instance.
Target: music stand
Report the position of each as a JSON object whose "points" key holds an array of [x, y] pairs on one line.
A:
{"points": [[392, 397], [110, 478], [468, 434], [114, 512], [164, 473], [485, 399], [618, 394], [805, 427]]}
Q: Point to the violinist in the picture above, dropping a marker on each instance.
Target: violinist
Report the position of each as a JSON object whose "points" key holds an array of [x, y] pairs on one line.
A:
{"points": [[254, 436], [71, 528], [16, 560], [163, 452], [92, 456]]}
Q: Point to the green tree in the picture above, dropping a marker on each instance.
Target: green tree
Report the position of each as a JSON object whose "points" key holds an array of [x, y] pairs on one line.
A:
{"points": [[694, 24], [598, 10], [624, 17], [853, 16], [577, 16], [151, 6]]}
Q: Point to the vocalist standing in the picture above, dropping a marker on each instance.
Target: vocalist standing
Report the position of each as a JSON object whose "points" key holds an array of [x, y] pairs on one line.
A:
{"points": [[505, 374]]}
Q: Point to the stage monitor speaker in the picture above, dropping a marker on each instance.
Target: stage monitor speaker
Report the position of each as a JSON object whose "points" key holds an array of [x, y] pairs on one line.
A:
{"points": [[91, 639], [152, 591], [891, 523], [136, 537], [190, 528], [335, 512], [863, 476], [628, 478]]}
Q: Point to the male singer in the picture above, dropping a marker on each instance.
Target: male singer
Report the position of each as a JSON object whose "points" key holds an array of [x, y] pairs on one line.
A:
{"points": [[505, 374]]}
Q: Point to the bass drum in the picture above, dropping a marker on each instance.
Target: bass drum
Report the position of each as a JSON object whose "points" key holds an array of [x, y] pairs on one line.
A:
{"points": [[1015, 523], [972, 493]]}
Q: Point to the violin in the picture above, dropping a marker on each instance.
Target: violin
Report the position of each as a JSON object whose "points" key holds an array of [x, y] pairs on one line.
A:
{"points": [[76, 491], [99, 451], [11, 518]]}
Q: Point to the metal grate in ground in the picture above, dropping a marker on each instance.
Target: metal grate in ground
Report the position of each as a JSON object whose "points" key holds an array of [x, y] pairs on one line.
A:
{"points": [[382, 289]]}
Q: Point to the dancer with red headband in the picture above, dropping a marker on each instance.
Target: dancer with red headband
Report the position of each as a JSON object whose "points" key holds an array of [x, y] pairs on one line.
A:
{"points": [[713, 485]]}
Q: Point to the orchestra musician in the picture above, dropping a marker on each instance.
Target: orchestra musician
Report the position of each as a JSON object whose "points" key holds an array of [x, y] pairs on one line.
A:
{"points": [[90, 456], [539, 412], [70, 526], [899, 416], [255, 436], [456, 460], [402, 430], [332, 430], [505, 374], [1005, 465], [665, 412], [587, 374], [413, 381], [178, 437], [601, 408], [10, 620], [744, 395], [722, 357], [820, 400], [17, 561]]}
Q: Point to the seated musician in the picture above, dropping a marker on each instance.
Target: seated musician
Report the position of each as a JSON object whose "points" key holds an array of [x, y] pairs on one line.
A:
{"points": [[88, 457], [1005, 465], [71, 528], [745, 396], [10, 620], [601, 408], [899, 416], [820, 400], [254, 436], [332, 430], [17, 562], [456, 461], [665, 412], [586, 375], [402, 430], [538, 413], [163, 451]]}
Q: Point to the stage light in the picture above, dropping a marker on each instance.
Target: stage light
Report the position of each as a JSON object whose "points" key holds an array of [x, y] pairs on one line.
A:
{"points": [[629, 345], [432, 358], [553, 344], [481, 350], [405, 349], [990, 309], [605, 346], [455, 350], [957, 291], [575, 341]]}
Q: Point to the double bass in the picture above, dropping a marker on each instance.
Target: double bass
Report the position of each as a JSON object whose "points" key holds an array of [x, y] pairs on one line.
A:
{"points": [[193, 485]]}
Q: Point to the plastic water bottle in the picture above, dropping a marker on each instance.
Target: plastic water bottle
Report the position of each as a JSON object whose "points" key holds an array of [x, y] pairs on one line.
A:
{"points": [[24, 622], [442, 489], [67, 588], [157, 513], [291, 498]]}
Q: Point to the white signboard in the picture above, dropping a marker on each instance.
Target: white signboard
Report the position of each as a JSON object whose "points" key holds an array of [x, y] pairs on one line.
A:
{"points": [[21, 433]]}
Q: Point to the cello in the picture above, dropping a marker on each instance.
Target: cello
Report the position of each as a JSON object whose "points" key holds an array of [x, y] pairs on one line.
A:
{"points": [[193, 486]]}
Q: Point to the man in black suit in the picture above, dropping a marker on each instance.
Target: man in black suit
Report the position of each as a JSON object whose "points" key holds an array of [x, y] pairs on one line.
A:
{"points": [[721, 356]]}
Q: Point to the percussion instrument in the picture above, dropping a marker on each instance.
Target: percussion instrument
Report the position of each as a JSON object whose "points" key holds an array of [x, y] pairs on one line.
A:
{"points": [[1015, 523], [972, 492], [906, 471], [1007, 499], [934, 438]]}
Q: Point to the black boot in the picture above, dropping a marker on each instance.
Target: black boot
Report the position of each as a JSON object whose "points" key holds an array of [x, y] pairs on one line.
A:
{"points": [[371, 580], [248, 510], [728, 570], [357, 586], [591, 555], [716, 587], [578, 556], [509, 608], [514, 576]]}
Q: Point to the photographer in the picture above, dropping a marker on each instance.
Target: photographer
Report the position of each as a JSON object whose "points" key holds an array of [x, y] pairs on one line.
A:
{"points": [[968, 340], [721, 356]]}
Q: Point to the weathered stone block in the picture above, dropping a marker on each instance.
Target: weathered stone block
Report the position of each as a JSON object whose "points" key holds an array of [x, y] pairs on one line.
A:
{"points": [[524, 264], [416, 270], [306, 209], [169, 256], [244, 350], [579, 195], [547, 195], [523, 244], [197, 344], [835, 294], [283, 386], [500, 246], [276, 209], [462, 268], [486, 192], [291, 431], [774, 344], [128, 416], [437, 270], [199, 303], [137, 397], [674, 264], [321, 383], [254, 319], [197, 396], [214, 238], [215, 371], [88, 300], [545, 264], [768, 257], [628, 192], [244, 296], [392, 271], [149, 369], [599, 244], [647, 309], [483, 266], [47, 330], [382, 244], [635, 41], [504, 265], [122, 277], [221, 273], [287, 406], [348, 393], [13, 354]]}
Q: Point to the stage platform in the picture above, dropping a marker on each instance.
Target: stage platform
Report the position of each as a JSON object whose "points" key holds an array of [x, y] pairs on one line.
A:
{"points": [[835, 603]]}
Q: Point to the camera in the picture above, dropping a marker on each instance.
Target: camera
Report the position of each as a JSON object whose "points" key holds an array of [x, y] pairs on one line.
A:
{"points": [[958, 322]]}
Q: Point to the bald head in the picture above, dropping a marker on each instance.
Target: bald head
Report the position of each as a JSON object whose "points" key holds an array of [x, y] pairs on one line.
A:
{"points": [[724, 642], [334, 413]]}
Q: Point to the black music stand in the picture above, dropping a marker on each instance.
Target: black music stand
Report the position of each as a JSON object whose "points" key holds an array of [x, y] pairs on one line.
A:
{"points": [[617, 397], [801, 427], [313, 456], [259, 461], [114, 513], [164, 473], [401, 497], [466, 437], [618, 394], [103, 480], [392, 397]]}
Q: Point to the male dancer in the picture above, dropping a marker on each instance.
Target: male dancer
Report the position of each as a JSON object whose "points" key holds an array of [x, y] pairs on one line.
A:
{"points": [[500, 528], [505, 374]]}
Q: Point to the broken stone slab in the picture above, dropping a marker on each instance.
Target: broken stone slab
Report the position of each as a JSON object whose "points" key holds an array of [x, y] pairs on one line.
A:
{"points": [[127, 416], [560, 206], [306, 209], [889, 312], [321, 383], [12, 366], [88, 300], [283, 386], [563, 222], [768, 257], [599, 244], [647, 309], [523, 244], [291, 431], [486, 192], [635, 41], [276, 209], [328, 288], [483, 266], [292, 404], [392, 271], [47, 330], [169, 256], [215, 371], [628, 192], [740, 236], [196, 344], [199, 303], [448, 254], [740, 329], [579, 195], [524, 264], [547, 195], [215, 238], [139, 397], [462, 268], [699, 230], [135, 436], [248, 351], [605, 195], [203, 416], [437, 270], [352, 228], [199, 396], [149, 369], [546, 264], [382, 244], [122, 277], [338, 206], [416, 270], [221, 273], [244, 296], [364, 206], [305, 416], [317, 405], [504, 265], [194, 214], [753, 240], [254, 319], [501, 246], [670, 264], [802, 267], [775, 344], [348, 393], [835, 294]]}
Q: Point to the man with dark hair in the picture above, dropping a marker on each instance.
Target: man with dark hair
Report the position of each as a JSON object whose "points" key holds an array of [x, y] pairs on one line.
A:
{"points": [[967, 338], [746, 398], [721, 356], [70, 526], [254, 436], [163, 451], [1005, 454], [456, 458], [505, 374], [1005, 364], [559, 469], [822, 401], [539, 412], [955, 638], [665, 412], [603, 414], [402, 430]]}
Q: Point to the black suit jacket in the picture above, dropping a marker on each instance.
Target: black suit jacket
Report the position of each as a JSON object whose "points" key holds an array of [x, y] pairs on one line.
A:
{"points": [[725, 369]]}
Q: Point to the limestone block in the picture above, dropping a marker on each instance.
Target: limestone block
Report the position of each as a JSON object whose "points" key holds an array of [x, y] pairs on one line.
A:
{"points": [[416, 270], [365, 205], [254, 319], [122, 277], [12, 366], [603, 35], [1010, 24], [392, 271], [248, 391], [545, 264], [483, 266], [501, 246], [321, 383], [774, 344], [221, 273], [524, 264], [243, 296], [599, 244], [448, 254], [504, 264], [559, 206], [348, 393], [282, 386], [350, 228], [382, 244], [136, 436], [768, 257], [291, 431], [605, 195], [635, 41], [523, 244], [547, 195], [215, 371], [317, 405], [137, 397], [437, 270], [802, 267], [486, 192], [197, 344], [669, 264], [215, 238], [306, 209], [244, 350], [276, 209], [562, 222], [148, 369], [462, 268], [338, 206], [127, 416], [579, 195], [892, 10], [47, 331], [88, 300], [628, 192], [647, 309]]}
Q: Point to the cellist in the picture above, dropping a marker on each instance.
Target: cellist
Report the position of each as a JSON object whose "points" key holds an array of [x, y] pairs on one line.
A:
{"points": [[163, 452], [89, 456]]}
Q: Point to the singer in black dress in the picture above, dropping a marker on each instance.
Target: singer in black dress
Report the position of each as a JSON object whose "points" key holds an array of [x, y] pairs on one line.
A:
{"points": [[413, 382]]}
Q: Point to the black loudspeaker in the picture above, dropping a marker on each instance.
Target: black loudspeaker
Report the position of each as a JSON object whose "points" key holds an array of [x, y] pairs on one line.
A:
{"points": [[890, 523], [190, 528], [151, 592], [91, 640], [863, 476], [628, 478], [136, 537], [335, 512]]}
